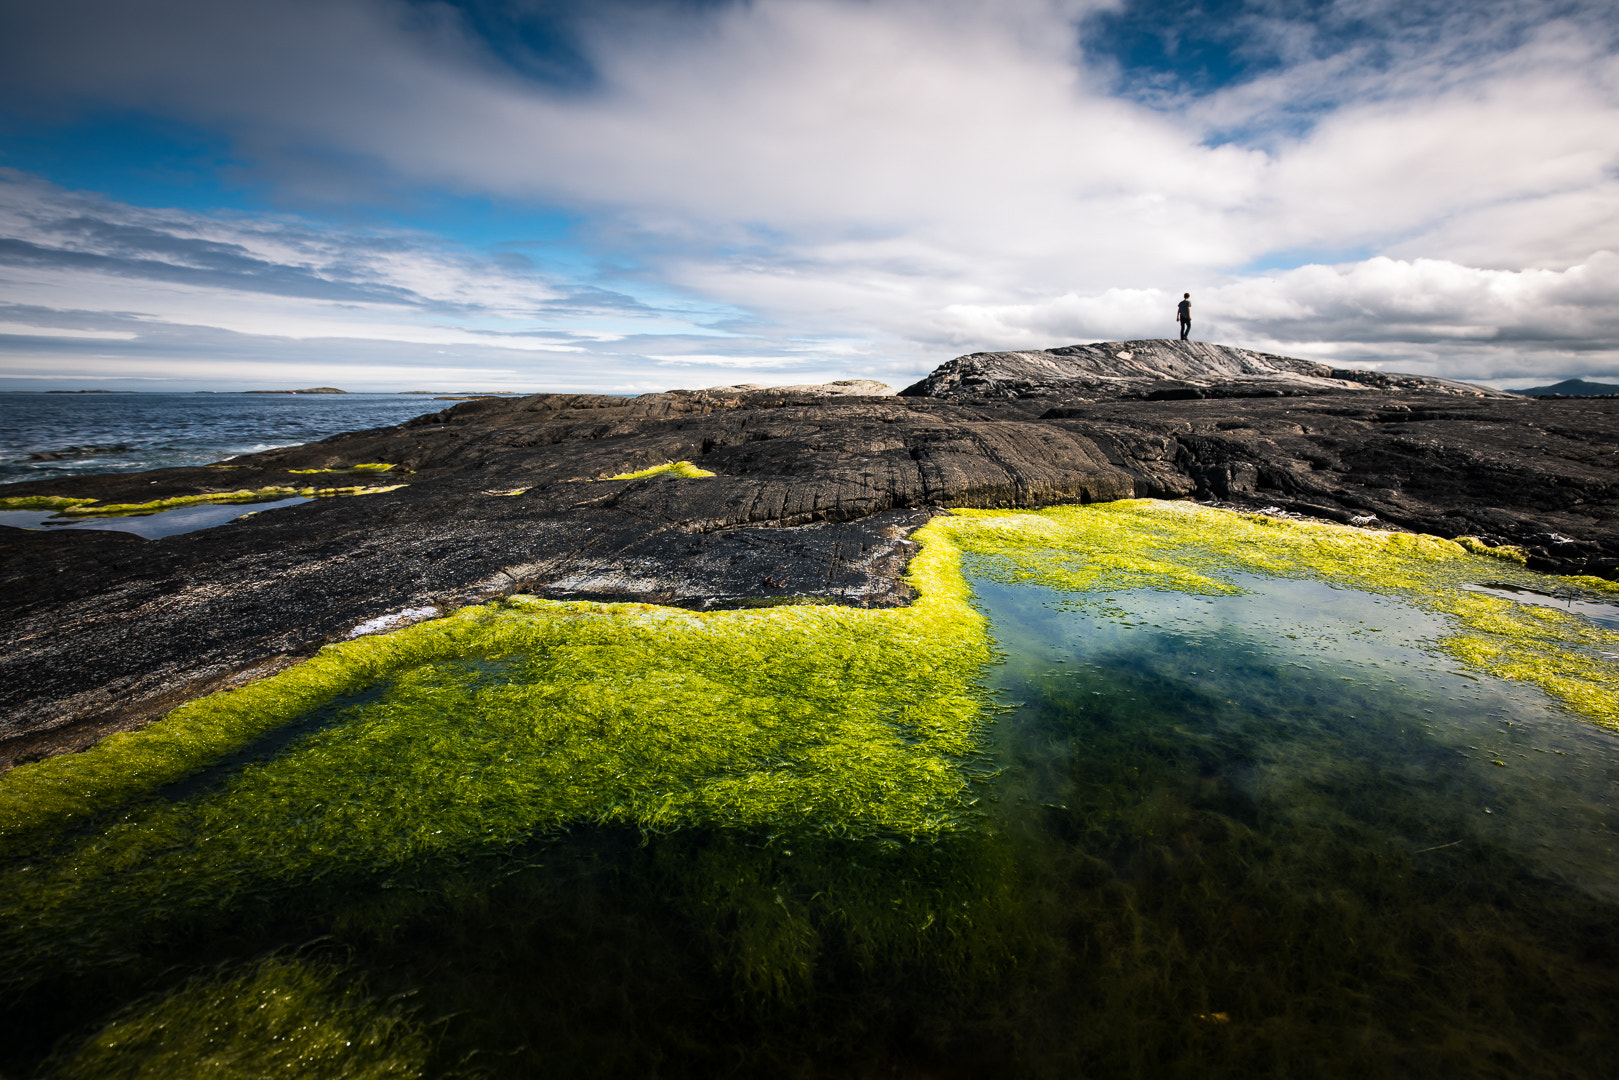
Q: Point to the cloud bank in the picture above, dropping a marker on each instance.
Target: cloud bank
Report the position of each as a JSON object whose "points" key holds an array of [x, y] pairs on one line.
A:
{"points": [[827, 188]]}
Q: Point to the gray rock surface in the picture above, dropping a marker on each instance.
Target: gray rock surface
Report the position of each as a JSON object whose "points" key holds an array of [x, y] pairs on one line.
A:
{"points": [[815, 496], [1158, 370]]}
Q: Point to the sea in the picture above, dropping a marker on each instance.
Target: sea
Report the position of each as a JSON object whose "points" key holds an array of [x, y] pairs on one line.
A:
{"points": [[43, 435]]}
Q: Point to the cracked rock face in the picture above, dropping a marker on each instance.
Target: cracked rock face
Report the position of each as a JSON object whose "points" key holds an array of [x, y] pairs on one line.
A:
{"points": [[816, 492]]}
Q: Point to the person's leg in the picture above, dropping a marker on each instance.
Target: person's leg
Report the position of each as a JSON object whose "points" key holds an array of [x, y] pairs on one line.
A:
{"points": [[1186, 328]]}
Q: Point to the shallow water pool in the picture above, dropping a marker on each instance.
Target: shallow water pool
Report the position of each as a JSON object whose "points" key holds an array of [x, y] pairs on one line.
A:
{"points": [[1320, 703]]}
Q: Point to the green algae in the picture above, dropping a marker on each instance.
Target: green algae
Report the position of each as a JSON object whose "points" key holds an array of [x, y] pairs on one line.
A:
{"points": [[1505, 551], [1181, 547], [41, 502], [281, 1016], [370, 466], [683, 470], [245, 495], [501, 723]]}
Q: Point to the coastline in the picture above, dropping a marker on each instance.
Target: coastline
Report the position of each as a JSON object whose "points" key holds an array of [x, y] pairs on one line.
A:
{"points": [[815, 494]]}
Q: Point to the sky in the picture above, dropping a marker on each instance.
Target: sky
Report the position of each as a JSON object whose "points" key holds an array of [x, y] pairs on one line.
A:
{"points": [[624, 196]]}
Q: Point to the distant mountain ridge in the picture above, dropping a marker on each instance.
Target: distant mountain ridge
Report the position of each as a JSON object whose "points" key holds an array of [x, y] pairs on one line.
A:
{"points": [[1569, 388]]}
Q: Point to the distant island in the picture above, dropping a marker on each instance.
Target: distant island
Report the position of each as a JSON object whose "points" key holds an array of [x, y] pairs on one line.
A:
{"points": [[310, 390], [89, 391], [1570, 388]]}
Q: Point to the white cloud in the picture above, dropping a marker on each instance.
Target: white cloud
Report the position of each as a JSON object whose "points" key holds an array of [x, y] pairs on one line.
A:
{"points": [[25, 330], [881, 184]]}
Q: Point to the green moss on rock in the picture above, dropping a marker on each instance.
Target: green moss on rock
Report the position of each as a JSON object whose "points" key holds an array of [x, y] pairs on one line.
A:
{"points": [[41, 502], [684, 470], [370, 466]]}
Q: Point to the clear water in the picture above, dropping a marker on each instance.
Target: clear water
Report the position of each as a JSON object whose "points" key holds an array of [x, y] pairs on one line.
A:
{"points": [[1322, 704], [117, 433], [1270, 834], [182, 519]]}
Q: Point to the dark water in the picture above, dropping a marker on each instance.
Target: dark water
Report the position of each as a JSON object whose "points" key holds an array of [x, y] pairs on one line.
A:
{"points": [[114, 433], [1263, 835]]}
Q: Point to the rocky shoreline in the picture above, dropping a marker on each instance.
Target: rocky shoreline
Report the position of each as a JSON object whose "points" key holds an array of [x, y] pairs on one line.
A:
{"points": [[815, 493]]}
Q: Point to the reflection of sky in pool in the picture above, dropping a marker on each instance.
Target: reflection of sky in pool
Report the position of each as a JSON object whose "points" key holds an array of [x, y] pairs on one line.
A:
{"points": [[182, 519], [1314, 702], [1600, 613]]}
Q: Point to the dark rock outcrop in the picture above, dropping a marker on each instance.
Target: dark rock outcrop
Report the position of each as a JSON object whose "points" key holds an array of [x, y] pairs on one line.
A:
{"points": [[816, 492], [1158, 371]]}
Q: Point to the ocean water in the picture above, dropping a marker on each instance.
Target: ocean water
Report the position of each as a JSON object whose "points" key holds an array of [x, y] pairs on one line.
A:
{"points": [[48, 435]]}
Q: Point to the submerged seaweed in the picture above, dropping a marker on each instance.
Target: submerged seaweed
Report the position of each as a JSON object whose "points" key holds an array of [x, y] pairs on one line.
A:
{"points": [[281, 1016], [683, 470]]}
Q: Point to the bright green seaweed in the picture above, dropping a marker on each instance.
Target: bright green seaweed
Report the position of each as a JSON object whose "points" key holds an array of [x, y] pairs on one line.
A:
{"points": [[369, 466], [506, 721], [683, 470], [41, 502]]}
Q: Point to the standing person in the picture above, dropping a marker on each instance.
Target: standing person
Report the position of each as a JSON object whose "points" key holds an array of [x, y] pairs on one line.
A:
{"points": [[1183, 312]]}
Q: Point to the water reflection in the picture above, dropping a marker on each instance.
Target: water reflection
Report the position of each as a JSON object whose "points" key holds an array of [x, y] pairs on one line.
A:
{"points": [[1598, 612]]}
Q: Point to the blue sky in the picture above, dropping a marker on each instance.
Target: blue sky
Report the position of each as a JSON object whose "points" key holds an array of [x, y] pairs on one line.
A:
{"points": [[628, 196]]}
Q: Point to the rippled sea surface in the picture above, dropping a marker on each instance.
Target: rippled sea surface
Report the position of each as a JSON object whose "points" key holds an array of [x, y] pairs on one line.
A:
{"points": [[46, 435]]}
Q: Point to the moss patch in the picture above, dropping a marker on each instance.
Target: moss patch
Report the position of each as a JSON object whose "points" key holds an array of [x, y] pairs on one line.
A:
{"points": [[371, 466], [41, 502], [684, 470], [279, 1017]]}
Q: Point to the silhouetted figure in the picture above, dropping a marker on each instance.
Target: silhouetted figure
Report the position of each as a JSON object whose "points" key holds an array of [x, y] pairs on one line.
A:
{"points": [[1183, 312]]}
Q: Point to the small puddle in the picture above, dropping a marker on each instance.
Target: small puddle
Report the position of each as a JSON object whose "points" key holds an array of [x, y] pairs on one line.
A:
{"points": [[174, 522], [1602, 614]]}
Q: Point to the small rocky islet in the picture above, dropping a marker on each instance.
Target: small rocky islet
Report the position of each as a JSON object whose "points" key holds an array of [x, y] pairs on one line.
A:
{"points": [[814, 492]]}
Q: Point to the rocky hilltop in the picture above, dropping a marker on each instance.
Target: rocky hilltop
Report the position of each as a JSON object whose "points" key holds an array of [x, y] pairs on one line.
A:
{"points": [[1160, 370], [814, 494]]}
